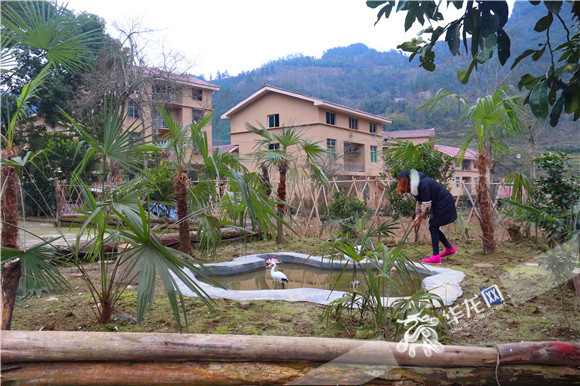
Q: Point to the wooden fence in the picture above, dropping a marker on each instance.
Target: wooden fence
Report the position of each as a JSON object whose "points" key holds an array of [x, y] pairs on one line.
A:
{"points": [[308, 201]]}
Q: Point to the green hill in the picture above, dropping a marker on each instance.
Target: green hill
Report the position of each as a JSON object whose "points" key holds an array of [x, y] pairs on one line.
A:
{"points": [[386, 83]]}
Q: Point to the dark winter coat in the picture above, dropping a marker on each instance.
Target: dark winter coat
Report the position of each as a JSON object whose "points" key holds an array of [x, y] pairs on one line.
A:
{"points": [[443, 210]]}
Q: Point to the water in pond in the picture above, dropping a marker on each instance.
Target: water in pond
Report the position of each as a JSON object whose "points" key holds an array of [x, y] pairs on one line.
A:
{"points": [[305, 276]]}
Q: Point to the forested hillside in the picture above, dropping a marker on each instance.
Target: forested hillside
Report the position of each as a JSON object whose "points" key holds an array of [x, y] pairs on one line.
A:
{"points": [[386, 83]]}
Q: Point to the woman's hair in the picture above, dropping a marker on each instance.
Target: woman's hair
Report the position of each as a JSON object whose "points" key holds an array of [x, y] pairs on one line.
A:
{"points": [[404, 184]]}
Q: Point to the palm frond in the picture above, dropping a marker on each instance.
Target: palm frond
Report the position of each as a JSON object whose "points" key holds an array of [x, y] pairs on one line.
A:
{"points": [[43, 25], [39, 271]]}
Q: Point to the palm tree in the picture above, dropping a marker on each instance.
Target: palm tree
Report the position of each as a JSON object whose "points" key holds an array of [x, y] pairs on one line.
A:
{"points": [[180, 143], [492, 117], [41, 26], [274, 150]]}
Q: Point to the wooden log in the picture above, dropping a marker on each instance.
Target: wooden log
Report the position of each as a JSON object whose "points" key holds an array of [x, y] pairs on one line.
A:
{"points": [[207, 373], [544, 353], [42, 346]]}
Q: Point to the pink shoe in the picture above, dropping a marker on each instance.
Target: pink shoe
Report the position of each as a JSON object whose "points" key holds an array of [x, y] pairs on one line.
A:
{"points": [[435, 259], [448, 251]]}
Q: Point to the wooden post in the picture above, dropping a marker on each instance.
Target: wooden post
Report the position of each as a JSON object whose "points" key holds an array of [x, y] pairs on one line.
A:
{"points": [[576, 280]]}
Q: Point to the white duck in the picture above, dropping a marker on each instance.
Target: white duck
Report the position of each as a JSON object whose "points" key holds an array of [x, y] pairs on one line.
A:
{"points": [[278, 276]]}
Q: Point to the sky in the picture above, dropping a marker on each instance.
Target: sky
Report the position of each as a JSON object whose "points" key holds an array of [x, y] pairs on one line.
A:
{"points": [[241, 35]]}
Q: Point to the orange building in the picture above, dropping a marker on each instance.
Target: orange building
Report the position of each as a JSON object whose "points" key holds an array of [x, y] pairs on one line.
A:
{"points": [[352, 138]]}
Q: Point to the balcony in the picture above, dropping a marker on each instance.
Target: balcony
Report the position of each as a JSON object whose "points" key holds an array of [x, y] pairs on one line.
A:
{"points": [[167, 94], [350, 166]]}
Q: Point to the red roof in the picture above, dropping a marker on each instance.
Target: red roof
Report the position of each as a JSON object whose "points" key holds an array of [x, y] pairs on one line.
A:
{"points": [[400, 134], [454, 151], [181, 78]]}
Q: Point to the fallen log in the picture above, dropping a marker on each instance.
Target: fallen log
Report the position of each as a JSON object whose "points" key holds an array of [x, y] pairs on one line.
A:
{"points": [[47, 346], [221, 373], [170, 239], [64, 357], [24, 346]]}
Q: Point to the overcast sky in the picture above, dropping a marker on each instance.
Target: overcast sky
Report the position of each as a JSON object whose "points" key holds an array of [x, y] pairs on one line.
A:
{"points": [[241, 35]]}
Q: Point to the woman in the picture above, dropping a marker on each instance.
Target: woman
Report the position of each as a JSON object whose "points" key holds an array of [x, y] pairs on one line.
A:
{"points": [[430, 194]]}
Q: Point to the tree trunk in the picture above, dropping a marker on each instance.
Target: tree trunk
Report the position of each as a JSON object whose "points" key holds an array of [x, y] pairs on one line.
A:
{"points": [[484, 205], [9, 206], [11, 273], [281, 207], [9, 209], [181, 187], [265, 179], [105, 309]]}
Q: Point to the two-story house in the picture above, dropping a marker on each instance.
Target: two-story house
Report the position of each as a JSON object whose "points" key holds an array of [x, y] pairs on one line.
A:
{"points": [[352, 138], [466, 173], [186, 98]]}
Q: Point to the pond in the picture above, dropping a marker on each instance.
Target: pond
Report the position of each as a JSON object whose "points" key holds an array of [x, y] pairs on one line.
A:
{"points": [[306, 276], [442, 281]]}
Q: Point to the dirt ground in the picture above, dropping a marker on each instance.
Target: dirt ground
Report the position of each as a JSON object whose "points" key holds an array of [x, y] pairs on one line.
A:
{"points": [[534, 308]]}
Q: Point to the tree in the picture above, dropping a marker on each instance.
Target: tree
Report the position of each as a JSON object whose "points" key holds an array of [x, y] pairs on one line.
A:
{"points": [[492, 118], [180, 142], [282, 149], [43, 27], [556, 89]]}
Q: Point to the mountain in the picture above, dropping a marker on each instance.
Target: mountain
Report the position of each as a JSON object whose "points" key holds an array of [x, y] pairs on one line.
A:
{"points": [[386, 83]]}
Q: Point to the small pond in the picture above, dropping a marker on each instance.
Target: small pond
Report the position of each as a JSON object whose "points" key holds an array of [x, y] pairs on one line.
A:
{"points": [[442, 281], [306, 276]]}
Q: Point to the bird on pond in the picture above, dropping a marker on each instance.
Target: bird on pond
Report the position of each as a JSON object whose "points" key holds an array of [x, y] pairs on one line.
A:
{"points": [[354, 282], [278, 276]]}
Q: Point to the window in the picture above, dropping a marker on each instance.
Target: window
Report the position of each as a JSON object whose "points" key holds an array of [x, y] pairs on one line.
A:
{"points": [[273, 146], [197, 115], [331, 147], [158, 121], [132, 109], [352, 123], [197, 94], [457, 182], [274, 120], [373, 154], [330, 118], [372, 127]]}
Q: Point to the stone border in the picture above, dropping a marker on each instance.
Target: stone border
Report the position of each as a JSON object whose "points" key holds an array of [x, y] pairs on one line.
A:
{"points": [[441, 281]]}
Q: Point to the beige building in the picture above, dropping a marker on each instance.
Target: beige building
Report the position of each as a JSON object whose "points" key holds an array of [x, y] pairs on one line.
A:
{"points": [[464, 174], [352, 138], [186, 98]]}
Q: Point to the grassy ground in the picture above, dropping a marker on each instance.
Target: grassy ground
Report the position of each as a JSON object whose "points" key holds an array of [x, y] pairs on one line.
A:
{"points": [[534, 309]]}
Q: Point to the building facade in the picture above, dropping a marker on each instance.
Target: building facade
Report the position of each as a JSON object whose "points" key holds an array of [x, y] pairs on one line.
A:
{"points": [[352, 138], [186, 98]]}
